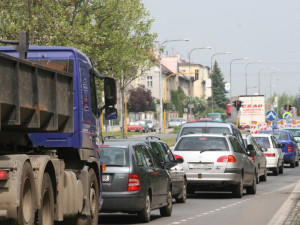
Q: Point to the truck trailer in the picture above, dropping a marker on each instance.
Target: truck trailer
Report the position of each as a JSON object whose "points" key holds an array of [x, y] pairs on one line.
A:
{"points": [[50, 168]]}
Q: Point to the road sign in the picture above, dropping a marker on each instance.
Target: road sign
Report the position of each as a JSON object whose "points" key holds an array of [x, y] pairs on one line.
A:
{"points": [[271, 115], [287, 115]]}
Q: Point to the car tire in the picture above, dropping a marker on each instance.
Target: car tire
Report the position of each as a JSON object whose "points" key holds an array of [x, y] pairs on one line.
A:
{"points": [[238, 190], [252, 189], [292, 164], [276, 171], [264, 177], [145, 215], [182, 198], [166, 211], [257, 178], [297, 163], [281, 168]]}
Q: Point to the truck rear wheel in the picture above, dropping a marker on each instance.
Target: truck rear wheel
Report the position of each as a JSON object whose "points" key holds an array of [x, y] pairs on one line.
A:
{"points": [[46, 213], [93, 201], [26, 212]]}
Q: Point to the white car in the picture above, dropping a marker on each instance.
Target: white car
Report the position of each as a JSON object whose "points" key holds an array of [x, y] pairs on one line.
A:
{"points": [[272, 152], [217, 161]]}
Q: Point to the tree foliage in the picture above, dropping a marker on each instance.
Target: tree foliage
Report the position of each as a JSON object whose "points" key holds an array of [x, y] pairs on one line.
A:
{"points": [[200, 105], [177, 100], [141, 100], [218, 88]]}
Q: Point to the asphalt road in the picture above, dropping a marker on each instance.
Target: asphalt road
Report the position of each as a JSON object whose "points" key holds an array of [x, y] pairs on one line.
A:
{"points": [[215, 208]]}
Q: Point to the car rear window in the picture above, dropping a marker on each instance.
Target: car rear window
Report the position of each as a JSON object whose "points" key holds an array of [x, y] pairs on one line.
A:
{"points": [[295, 132], [278, 135], [263, 141], [192, 130], [202, 144], [114, 156], [218, 130]]}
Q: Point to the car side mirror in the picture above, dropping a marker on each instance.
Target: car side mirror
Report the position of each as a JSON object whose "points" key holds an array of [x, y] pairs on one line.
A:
{"points": [[264, 149], [251, 153], [250, 147], [178, 159], [111, 113]]}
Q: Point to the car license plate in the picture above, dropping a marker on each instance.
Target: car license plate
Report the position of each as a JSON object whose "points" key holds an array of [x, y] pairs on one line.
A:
{"points": [[105, 178], [206, 166], [199, 176]]}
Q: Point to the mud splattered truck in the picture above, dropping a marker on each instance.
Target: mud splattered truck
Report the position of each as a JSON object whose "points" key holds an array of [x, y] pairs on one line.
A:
{"points": [[50, 169]]}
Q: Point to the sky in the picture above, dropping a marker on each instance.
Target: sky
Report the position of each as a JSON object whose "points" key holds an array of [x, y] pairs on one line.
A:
{"points": [[266, 30]]}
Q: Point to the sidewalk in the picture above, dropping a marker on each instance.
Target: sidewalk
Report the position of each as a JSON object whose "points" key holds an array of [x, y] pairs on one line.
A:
{"points": [[289, 213]]}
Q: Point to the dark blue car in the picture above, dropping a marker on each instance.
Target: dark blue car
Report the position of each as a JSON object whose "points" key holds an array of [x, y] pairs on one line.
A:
{"points": [[290, 148]]}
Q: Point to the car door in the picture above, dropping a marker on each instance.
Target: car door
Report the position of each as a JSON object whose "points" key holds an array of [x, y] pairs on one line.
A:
{"points": [[260, 156], [142, 153], [277, 149], [162, 176], [247, 163]]}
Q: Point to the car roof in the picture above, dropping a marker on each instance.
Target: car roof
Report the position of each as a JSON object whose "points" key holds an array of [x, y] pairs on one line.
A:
{"points": [[267, 131], [207, 135], [121, 143], [208, 124], [262, 135]]}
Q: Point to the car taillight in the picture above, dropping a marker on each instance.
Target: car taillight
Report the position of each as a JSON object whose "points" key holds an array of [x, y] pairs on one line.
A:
{"points": [[226, 158], [253, 158], [178, 157], [3, 175], [270, 154], [134, 183], [290, 148]]}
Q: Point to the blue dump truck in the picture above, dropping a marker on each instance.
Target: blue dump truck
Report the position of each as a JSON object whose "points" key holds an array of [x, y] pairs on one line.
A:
{"points": [[49, 135]]}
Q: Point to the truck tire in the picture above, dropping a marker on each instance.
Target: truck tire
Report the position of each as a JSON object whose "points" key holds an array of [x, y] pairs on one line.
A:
{"points": [[26, 212], [93, 201], [46, 212]]}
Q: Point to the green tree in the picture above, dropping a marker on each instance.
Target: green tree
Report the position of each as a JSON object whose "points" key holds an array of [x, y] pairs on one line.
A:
{"points": [[115, 34], [200, 105], [218, 88], [177, 100]]}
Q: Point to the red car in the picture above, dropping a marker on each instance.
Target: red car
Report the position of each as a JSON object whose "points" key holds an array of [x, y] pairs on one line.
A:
{"points": [[135, 126]]}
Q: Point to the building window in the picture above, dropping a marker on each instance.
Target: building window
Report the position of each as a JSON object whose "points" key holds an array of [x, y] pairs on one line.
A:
{"points": [[149, 81], [196, 74]]}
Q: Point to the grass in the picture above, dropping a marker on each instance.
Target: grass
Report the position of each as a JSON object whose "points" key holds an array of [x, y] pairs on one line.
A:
{"points": [[119, 134], [176, 130], [170, 141]]}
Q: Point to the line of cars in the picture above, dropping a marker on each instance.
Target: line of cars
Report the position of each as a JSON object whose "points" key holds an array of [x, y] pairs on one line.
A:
{"points": [[144, 174], [142, 126]]}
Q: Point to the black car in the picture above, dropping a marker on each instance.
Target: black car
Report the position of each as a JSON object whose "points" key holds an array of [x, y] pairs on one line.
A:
{"points": [[172, 165], [135, 181]]}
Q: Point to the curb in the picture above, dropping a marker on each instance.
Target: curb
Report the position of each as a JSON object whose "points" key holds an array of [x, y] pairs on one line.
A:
{"points": [[285, 210]]}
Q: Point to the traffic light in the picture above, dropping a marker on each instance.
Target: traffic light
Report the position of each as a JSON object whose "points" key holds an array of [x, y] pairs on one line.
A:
{"points": [[234, 104], [239, 104]]}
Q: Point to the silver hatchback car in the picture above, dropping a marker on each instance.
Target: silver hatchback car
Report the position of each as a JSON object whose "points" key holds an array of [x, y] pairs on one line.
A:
{"points": [[217, 162]]}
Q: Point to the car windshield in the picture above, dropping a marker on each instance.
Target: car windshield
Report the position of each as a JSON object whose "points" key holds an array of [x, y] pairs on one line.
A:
{"points": [[175, 120], [278, 135], [263, 141], [114, 156], [202, 144], [215, 116], [295, 132], [142, 122], [133, 123]]}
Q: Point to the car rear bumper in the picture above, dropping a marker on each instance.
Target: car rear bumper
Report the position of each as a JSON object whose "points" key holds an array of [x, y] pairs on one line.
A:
{"points": [[271, 162], [122, 202], [288, 157], [217, 179]]}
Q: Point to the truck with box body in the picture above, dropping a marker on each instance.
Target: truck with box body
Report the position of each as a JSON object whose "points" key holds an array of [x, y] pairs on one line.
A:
{"points": [[50, 167], [253, 109]]}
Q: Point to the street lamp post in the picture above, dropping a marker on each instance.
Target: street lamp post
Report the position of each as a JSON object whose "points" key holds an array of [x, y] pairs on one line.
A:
{"points": [[208, 47], [211, 69], [271, 81], [160, 81], [245, 58], [271, 68], [246, 74]]}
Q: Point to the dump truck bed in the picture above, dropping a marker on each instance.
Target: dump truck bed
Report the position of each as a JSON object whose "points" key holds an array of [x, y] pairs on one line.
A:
{"points": [[36, 95]]}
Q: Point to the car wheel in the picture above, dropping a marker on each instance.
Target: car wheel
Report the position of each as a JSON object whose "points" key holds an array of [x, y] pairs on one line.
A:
{"points": [[238, 190], [182, 198], [166, 211], [264, 177], [252, 189], [281, 168], [297, 163], [276, 171], [145, 214], [292, 164]]}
